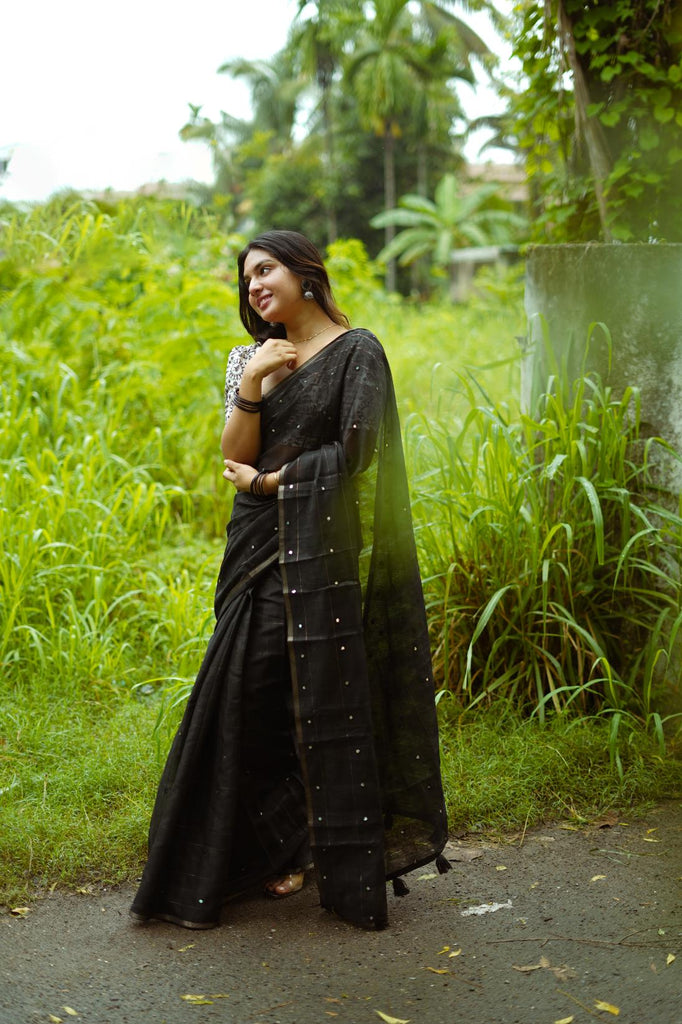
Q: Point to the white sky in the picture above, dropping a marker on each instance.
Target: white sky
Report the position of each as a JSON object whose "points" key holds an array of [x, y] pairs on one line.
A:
{"points": [[93, 95]]}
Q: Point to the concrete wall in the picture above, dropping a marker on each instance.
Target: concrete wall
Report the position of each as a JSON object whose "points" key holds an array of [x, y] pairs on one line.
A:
{"points": [[636, 291]]}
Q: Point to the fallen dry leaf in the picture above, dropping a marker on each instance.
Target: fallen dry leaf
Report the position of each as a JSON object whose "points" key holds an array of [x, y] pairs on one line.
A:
{"points": [[500, 867], [597, 878], [391, 1020], [607, 821], [445, 949], [669, 959], [331, 1013], [70, 1011], [650, 839], [437, 970], [606, 1007], [455, 952], [423, 878], [562, 973], [183, 949], [565, 1020], [54, 1020], [20, 911], [197, 1000]]}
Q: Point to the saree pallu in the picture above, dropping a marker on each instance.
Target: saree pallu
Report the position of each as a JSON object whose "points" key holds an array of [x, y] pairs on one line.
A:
{"points": [[311, 729]]}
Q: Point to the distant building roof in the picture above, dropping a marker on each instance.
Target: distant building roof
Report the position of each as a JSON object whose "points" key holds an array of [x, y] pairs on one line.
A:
{"points": [[155, 189], [511, 176]]}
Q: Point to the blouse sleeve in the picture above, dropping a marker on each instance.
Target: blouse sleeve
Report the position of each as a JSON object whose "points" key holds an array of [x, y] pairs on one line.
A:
{"points": [[236, 361]]}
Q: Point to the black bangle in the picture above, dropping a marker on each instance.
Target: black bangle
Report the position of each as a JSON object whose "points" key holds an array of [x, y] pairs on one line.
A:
{"points": [[257, 485], [245, 404]]}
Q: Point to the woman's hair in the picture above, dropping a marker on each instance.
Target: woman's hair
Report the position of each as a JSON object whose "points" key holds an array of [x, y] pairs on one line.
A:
{"points": [[301, 257]]}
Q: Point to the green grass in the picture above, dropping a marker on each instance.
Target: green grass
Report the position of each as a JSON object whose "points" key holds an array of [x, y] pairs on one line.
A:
{"points": [[502, 772], [115, 326], [78, 788], [77, 782], [551, 556]]}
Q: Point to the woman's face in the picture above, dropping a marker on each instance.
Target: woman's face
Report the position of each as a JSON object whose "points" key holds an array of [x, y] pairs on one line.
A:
{"points": [[275, 292]]}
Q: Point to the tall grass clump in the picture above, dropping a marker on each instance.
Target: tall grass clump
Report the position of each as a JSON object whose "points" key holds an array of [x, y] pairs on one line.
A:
{"points": [[76, 519], [551, 557], [114, 329], [135, 301], [111, 324]]}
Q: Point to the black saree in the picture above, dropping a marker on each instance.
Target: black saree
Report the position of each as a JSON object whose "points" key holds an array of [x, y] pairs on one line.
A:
{"points": [[311, 728]]}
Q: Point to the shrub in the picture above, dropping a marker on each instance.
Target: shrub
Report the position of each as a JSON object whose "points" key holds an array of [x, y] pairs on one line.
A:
{"points": [[550, 556]]}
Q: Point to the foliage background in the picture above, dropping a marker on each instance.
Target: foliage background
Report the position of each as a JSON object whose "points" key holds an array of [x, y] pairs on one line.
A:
{"points": [[598, 122], [115, 325]]}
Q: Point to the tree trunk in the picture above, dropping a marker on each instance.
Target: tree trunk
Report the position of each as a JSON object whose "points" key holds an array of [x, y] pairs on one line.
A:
{"points": [[330, 200], [586, 126], [389, 200], [417, 274], [422, 172]]}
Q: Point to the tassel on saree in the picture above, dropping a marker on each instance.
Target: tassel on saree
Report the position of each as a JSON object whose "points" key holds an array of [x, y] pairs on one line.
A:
{"points": [[399, 887]]}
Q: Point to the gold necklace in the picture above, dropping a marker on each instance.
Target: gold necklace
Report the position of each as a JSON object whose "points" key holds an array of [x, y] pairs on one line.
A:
{"points": [[310, 337]]}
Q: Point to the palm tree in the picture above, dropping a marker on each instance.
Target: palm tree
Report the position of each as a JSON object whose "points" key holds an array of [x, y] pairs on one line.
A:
{"points": [[437, 17], [454, 218], [452, 47], [435, 106], [224, 138], [315, 45], [402, 73], [275, 93], [384, 75]]}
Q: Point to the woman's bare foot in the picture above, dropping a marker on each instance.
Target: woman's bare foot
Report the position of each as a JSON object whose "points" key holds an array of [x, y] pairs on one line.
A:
{"points": [[287, 885]]}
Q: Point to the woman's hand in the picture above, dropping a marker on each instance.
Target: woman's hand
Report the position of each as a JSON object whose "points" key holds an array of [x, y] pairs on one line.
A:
{"points": [[239, 474], [241, 437], [272, 354]]}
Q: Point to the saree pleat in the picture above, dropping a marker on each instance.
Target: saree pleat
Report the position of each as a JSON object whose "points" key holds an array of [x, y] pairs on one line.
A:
{"points": [[311, 729], [331, 687], [230, 810]]}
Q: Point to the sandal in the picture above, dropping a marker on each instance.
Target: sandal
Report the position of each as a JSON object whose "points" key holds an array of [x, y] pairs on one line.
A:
{"points": [[287, 885]]}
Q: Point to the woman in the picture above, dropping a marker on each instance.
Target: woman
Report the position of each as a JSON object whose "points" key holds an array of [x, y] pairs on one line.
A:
{"points": [[310, 733]]}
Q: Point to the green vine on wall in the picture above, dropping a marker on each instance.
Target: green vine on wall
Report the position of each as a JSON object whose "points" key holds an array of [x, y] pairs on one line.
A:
{"points": [[600, 122]]}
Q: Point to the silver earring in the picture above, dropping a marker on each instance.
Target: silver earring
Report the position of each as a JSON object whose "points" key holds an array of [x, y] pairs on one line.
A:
{"points": [[307, 294]]}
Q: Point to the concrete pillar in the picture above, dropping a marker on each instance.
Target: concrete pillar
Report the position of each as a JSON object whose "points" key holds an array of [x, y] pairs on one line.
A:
{"points": [[636, 291]]}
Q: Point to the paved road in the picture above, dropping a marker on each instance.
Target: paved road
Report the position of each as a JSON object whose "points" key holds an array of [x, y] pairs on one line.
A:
{"points": [[557, 925]]}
